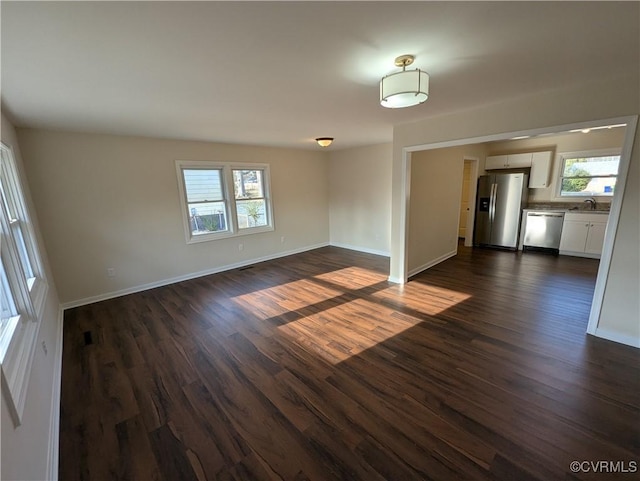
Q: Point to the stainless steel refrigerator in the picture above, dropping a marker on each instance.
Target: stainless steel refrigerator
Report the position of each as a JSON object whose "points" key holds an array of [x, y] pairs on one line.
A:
{"points": [[500, 200]]}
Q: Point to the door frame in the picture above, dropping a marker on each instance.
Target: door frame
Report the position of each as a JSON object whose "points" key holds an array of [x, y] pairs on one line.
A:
{"points": [[473, 189], [614, 213]]}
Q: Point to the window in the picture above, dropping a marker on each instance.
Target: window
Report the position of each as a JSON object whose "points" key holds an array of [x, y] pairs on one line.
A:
{"points": [[222, 200], [206, 201], [22, 285], [588, 175], [8, 305], [251, 203]]}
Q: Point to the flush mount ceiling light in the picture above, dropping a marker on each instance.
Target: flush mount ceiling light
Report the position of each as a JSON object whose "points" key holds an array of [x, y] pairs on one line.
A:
{"points": [[406, 88], [324, 141]]}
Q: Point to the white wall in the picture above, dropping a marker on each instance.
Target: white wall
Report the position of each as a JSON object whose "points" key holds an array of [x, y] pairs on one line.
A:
{"points": [[558, 144], [603, 100], [436, 187], [112, 201], [360, 198], [620, 318], [27, 450]]}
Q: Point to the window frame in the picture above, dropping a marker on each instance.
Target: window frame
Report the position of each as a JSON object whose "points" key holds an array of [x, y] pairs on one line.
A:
{"points": [[228, 190], [564, 156], [265, 197], [18, 333]]}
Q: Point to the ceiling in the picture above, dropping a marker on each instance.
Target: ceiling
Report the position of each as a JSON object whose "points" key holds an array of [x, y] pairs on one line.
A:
{"points": [[283, 73]]}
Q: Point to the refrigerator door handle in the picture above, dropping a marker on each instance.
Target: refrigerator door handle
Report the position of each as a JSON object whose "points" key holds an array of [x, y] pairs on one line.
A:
{"points": [[492, 202]]}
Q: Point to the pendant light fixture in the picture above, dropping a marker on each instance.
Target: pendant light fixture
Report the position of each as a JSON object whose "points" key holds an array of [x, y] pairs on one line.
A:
{"points": [[406, 88], [324, 141]]}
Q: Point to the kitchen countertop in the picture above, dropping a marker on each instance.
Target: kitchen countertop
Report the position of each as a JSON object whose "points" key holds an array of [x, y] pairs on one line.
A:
{"points": [[566, 211], [576, 211]]}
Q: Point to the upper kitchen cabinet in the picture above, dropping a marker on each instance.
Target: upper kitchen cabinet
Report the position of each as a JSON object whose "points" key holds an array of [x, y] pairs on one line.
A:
{"points": [[510, 161], [539, 162], [519, 161], [540, 170], [496, 162]]}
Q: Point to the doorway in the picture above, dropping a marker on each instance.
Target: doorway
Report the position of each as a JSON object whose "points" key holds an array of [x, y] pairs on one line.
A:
{"points": [[399, 265], [467, 196]]}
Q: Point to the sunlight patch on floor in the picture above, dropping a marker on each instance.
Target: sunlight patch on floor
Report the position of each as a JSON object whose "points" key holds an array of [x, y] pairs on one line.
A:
{"points": [[318, 314], [283, 298], [346, 330], [352, 277], [423, 298]]}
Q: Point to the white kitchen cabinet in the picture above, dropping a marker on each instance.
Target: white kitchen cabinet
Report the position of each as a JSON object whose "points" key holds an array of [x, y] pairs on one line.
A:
{"points": [[540, 170], [508, 161], [496, 162], [595, 238], [583, 234], [574, 235], [519, 161]]}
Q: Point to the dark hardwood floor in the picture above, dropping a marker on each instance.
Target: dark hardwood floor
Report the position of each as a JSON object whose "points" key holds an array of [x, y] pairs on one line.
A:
{"points": [[314, 367]]}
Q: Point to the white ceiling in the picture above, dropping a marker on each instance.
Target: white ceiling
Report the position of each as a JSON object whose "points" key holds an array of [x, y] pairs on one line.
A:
{"points": [[283, 73]]}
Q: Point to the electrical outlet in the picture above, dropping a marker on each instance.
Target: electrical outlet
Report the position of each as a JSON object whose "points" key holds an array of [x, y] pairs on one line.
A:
{"points": [[240, 247], [282, 240], [111, 272], [44, 348]]}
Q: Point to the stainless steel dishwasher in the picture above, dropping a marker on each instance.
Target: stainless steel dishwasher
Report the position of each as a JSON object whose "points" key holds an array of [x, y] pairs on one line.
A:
{"points": [[543, 230]]}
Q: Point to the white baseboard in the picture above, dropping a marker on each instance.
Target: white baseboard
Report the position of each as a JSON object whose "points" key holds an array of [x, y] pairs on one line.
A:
{"points": [[366, 250], [186, 277], [432, 263], [617, 337], [54, 427], [579, 254], [395, 280]]}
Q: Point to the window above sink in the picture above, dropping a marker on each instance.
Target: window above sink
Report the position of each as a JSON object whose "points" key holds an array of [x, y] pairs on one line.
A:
{"points": [[587, 174]]}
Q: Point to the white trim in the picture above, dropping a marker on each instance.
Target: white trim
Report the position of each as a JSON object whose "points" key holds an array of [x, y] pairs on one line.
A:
{"points": [[54, 424], [509, 135], [579, 254], [186, 277], [473, 188], [181, 165], [432, 263], [612, 224], [616, 204], [229, 200], [614, 336], [18, 339], [366, 250], [37, 290], [560, 159], [16, 366], [404, 221]]}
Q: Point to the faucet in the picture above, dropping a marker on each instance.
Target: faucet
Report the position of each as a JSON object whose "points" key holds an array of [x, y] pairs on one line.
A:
{"points": [[591, 201]]}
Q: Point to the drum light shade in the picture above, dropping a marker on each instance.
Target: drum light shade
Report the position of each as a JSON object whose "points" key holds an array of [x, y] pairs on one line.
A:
{"points": [[406, 88]]}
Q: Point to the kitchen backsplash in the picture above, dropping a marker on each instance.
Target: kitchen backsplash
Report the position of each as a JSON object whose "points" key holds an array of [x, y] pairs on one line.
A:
{"points": [[601, 206]]}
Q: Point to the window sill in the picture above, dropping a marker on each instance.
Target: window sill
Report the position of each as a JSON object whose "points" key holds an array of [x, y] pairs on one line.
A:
{"points": [[196, 239], [581, 198]]}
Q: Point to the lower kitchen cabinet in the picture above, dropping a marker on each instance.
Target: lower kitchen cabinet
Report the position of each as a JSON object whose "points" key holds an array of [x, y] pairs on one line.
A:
{"points": [[583, 234], [595, 238]]}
